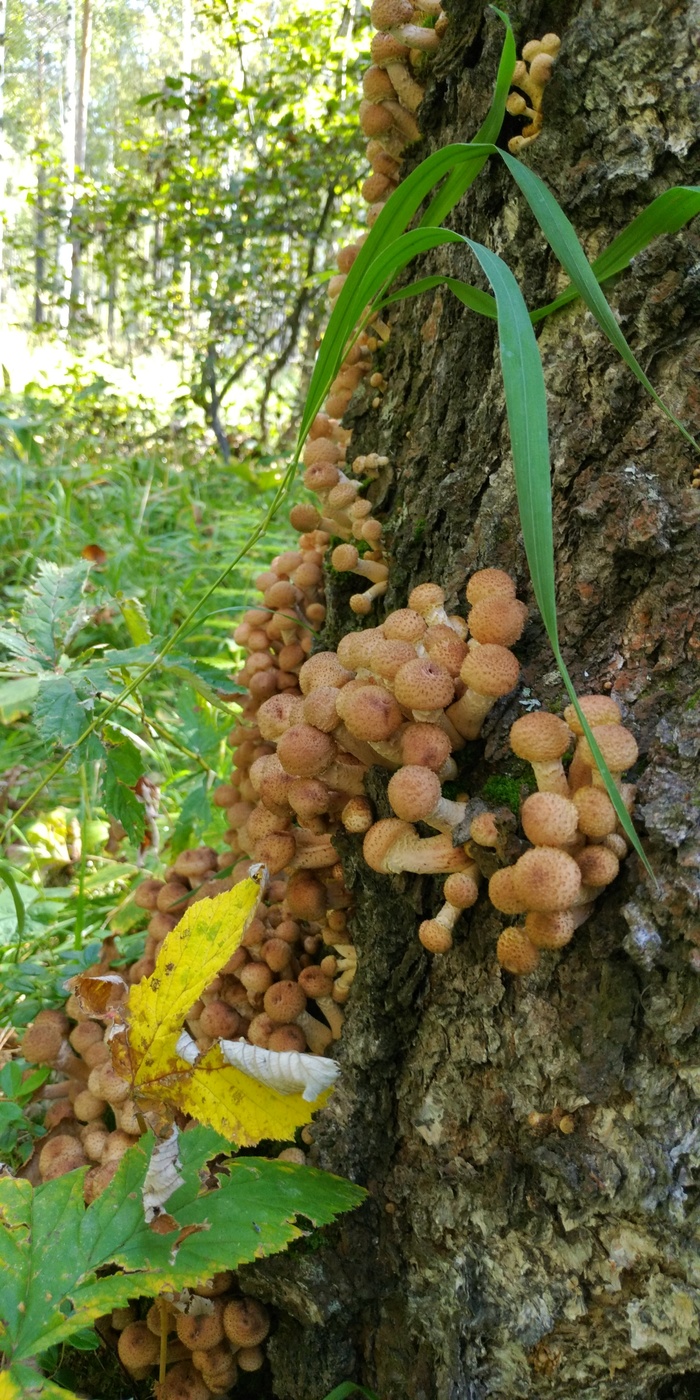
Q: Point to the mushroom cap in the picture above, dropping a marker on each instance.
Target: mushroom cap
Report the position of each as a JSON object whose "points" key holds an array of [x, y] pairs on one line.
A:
{"points": [[516, 953], [552, 930], [434, 936], [484, 830], [304, 751], [392, 846], [596, 815], [546, 879], [284, 1001], [598, 709], [503, 894], [309, 797], [617, 745], [414, 792], [369, 712], [278, 714], [548, 819], [498, 618], [427, 595], [389, 656], [423, 684], [386, 49], [305, 897], [486, 583], [598, 865], [490, 670], [387, 14], [320, 708], [425, 744], [246, 1322], [323, 668], [444, 646], [357, 815], [461, 890], [314, 982], [137, 1346], [354, 649], [345, 557], [539, 737], [404, 625]]}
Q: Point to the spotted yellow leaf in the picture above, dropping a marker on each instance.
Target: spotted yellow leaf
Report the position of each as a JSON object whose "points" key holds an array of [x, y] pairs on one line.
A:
{"points": [[145, 1049]]}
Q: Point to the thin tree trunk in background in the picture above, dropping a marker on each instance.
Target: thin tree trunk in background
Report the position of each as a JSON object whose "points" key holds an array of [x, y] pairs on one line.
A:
{"points": [[81, 135], [68, 129], [186, 271], [3, 150], [531, 1146], [39, 211]]}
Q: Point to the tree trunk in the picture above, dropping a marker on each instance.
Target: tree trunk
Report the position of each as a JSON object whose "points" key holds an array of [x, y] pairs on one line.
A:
{"points": [[68, 127], [506, 1251], [39, 208], [81, 139], [4, 152]]}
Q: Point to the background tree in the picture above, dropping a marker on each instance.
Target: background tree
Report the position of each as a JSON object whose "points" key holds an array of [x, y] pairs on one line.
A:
{"points": [[530, 1145]]}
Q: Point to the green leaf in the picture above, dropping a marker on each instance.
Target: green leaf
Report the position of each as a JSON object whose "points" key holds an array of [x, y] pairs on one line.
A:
{"points": [[526, 405], [7, 876], [131, 656], [562, 239], [23, 1382], [471, 297], [17, 698], [17, 645], [58, 713], [203, 679], [132, 611], [194, 816], [118, 796], [668, 213], [51, 1246], [51, 604]]}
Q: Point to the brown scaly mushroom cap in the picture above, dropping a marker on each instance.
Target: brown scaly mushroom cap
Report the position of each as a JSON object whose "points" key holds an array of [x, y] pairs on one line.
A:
{"points": [[549, 819], [546, 879], [498, 618], [488, 672], [415, 795], [321, 669], [404, 625], [596, 815], [618, 747], [423, 686], [553, 930], [369, 712], [541, 739], [304, 752], [516, 953], [487, 583], [598, 709]]}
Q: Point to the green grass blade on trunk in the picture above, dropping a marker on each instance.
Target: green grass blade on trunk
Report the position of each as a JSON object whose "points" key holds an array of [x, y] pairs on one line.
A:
{"points": [[459, 181], [471, 297], [666, 214], [562, 239], [526, 406], [350, 307]]}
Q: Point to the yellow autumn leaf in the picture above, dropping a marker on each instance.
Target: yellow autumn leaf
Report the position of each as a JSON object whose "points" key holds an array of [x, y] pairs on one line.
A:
{"points": [[145, 1050]]}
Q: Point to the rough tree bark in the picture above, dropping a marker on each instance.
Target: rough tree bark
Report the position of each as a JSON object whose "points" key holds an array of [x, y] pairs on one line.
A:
{"points": [[492, 1258]]}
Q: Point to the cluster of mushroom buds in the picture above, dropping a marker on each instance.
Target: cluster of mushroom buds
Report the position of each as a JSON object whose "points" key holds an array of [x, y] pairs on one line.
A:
{"points": [[212, 1335], [408, 33], [531, 74], [83, 1102], [576, 839]]}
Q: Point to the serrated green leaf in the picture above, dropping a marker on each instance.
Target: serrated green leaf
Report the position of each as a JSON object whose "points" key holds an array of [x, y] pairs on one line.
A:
{"points": [[24, 1383], [17, 698], [58, 713], [18, 645], [51, 604], [131, 656], [51, 1246], [118, 797], [203, 679]]}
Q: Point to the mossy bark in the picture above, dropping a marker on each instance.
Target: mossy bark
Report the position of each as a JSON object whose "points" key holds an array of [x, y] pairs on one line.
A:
{"points": [[494, 1257]]}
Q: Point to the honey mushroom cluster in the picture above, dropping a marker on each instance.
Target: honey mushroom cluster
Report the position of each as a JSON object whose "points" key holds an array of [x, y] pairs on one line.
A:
{"points": [[407, 35], [576, 839], [531, 74], [212, 1335]]}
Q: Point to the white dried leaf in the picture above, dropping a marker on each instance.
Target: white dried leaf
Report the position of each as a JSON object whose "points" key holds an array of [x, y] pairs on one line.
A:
{"points": [[287, 1071], [162, 1178]]}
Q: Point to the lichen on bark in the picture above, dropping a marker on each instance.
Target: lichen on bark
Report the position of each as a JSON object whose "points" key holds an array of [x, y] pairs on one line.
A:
{"points": [[530, 1146]]}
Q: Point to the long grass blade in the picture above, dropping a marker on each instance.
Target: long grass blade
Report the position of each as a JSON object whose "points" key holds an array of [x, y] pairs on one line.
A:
{"points": [[526, 406], [458, 183], [469, 296], [562, 239], [666, 214]]}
